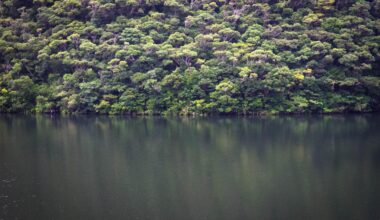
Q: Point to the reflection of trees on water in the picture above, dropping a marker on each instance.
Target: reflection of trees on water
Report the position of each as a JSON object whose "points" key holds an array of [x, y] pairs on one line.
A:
{"points": [[6, 183], [224, 168]]}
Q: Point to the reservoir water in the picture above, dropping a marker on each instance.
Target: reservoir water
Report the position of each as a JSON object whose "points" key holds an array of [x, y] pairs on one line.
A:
{"points": [[98, 167]]}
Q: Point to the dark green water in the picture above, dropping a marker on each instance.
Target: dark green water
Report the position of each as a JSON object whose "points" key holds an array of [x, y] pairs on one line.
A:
{"points": [[309, 167]]}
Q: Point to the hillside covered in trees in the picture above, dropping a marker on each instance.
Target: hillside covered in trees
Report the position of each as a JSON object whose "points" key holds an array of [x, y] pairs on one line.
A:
{"points": [[189, 56]]}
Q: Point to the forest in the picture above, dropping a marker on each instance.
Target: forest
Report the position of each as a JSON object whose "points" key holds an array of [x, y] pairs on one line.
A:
{"points": [[185, 57]]}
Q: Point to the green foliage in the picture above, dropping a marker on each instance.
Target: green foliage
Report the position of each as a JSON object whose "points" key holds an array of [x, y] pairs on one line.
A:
{"points": [[189, 57]]}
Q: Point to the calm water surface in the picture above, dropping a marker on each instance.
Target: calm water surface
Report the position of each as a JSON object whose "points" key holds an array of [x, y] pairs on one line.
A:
{"points": [[309, 167]]}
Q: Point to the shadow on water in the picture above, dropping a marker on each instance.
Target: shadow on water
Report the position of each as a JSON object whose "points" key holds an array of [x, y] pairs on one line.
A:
{"points": [[88, 167]]}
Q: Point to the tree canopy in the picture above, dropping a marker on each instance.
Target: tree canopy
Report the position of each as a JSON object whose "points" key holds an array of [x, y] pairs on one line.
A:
{"points": [[189, 56]]}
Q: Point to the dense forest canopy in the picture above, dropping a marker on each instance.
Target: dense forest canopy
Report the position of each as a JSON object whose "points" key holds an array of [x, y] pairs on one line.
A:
{"points": [[189, 56]]}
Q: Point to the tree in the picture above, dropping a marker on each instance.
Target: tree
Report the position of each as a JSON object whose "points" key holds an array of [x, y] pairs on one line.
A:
{"points": [[185, 57]]}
